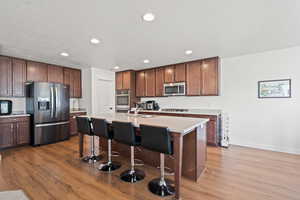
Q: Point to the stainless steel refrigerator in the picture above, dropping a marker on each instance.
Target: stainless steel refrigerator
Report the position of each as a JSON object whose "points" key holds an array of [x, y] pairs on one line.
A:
{"points": [[49, 106]]}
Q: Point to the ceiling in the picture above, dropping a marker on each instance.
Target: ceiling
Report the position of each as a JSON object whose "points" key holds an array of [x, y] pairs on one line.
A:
{"points": [[41, 30]]}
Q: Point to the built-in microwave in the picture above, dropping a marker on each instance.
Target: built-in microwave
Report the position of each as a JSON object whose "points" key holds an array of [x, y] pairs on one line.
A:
{"points": [[174, 89], [122, 100]]}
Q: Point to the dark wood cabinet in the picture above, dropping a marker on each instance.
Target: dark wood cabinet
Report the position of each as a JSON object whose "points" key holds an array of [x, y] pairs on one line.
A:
{"points": [[150, 83], [68, 80], [72, 77], [73, 122], [119, 80], [18, 77], [37, 71], [179, 74], [169, 74], [210, 77], [5, 76], [14, 131], [159, 82], [126, 79], [55, 74], [193, 78], [140, 83]]}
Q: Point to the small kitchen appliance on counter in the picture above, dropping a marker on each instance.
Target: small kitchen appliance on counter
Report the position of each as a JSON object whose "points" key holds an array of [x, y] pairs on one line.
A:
{"points": [[152, 105], [5, 107]]}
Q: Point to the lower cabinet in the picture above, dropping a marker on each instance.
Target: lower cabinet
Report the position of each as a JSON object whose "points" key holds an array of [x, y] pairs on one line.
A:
{"points": [[73, 123], [14, 131]]}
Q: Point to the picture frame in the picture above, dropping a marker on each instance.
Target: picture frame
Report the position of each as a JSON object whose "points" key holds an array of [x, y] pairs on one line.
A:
{"points": [[280, 88]]}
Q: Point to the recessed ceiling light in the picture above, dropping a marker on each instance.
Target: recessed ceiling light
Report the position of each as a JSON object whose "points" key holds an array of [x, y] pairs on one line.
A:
{"points": [[146, 61], [188, 52], [116, 67], [65, 54], [95, 41], [148, 17]]}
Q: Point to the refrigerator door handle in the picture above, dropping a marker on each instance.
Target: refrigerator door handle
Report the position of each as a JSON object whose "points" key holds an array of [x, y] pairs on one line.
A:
{"points": [[51, 124], [52, 101]]}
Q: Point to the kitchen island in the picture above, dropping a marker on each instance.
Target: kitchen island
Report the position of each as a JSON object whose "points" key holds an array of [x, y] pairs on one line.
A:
{"points": [[189, 143]]}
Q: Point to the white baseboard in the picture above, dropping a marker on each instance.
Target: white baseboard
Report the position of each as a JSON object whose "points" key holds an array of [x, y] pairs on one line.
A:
{"points": [[268, 147]]}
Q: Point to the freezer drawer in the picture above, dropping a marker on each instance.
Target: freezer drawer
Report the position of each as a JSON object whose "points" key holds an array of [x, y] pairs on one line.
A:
{"points": [[50, 133]]}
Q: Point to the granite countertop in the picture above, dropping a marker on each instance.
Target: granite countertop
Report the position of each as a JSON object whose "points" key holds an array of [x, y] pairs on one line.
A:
{"points": [[181, 125], [16, 114], [190, 111], [77, 110]]}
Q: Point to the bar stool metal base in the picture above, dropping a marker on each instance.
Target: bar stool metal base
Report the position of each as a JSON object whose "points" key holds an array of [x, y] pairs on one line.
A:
{"points": [[161, 188], [109, 166], [92, 159], [132, 176]]}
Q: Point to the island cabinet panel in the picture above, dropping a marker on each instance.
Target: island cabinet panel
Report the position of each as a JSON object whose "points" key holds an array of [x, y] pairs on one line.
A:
{"points": [[180, 73], [210, 77], [150, 83], [19, 77], [119, 80], [169, 74], [55, 74], [37, 71], [159, 82], [140, 83], [193, 78], [5, 76], [126, 80]]}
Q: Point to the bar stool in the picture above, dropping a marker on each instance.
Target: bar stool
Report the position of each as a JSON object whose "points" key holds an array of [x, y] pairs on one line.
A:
{"points": [[124, 133], [101, 129], [158, 139], [84, 127]]}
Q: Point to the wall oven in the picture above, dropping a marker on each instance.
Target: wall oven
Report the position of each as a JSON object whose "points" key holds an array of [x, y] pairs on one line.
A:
{"points": [[122, 100], [174, 89]]}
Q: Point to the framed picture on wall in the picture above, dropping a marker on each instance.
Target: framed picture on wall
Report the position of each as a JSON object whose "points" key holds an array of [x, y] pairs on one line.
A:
{"points": [[274, 88]]}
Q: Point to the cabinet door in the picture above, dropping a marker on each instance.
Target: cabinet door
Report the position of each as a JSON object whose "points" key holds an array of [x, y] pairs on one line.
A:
{"points": [[37, 71], [180, 73], [6, 135], [68, 80], [126, 80], [119, 80], [73, 125], [55, 74], [193, 78], [140, 83], [159, 82], [210, 77], [150, 83], [169, 74], [19, 77], [5, 77], [212, 133], [22, 133], [77, 83]]}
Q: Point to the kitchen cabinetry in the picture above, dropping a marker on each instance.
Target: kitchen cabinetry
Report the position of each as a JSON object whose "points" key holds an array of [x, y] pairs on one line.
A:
{"points": [[159, 82], [119, 80], [73, 122], [37, 71], [124, 80], [140, 83], [210, 77], [72, 77], [18, 77], [193, 78], [5, 76], [169, 74], [14, 131], [150, 83], [55, 74], [179, 73]]}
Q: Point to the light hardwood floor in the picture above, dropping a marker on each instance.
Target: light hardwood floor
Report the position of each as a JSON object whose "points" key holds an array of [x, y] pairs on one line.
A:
{"points": [[55, 172]]}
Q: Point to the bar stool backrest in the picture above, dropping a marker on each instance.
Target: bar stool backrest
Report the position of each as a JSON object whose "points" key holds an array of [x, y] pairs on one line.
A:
{"points": [[84, 125], [124, 132], [101, 128], [156, 139]]}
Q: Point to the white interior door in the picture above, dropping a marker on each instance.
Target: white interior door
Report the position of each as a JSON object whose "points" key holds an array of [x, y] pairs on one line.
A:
{"points": [[104, 96]]}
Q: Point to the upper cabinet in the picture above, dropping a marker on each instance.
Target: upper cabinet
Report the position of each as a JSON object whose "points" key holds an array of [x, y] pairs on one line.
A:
{"points": [[179, 73], [5, 76], [55, 74], [72, 77], [169, 74], [150, 83], [193, 78], [124, 80], [119, 80], [210, 77], [159, 81], [140, 83], [19, 77], [37, 71]]}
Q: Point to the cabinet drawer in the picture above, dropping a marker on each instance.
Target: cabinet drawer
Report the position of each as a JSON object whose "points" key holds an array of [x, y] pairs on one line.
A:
{"points": [[14, 119]]}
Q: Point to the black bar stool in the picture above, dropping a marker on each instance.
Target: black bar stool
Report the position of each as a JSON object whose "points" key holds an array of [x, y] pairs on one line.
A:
{"points": [[158, 139], [124, 133], [101, 129], [84, 127]]}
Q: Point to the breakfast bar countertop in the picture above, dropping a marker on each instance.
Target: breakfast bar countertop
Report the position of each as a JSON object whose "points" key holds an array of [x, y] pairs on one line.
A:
{"points": [[181, 125]]}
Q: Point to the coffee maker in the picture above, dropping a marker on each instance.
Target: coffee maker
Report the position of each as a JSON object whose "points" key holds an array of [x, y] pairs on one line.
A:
{"points": [[151, 105]]}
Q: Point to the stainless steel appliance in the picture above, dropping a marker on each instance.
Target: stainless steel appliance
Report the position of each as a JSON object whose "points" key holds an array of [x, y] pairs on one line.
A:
{"points": [[5, 107], [174, 89], [122, 100], [151, 105], [49, 105]]}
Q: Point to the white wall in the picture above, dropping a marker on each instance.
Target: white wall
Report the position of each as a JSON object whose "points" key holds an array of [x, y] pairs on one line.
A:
{"points": [[272, 124]]}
